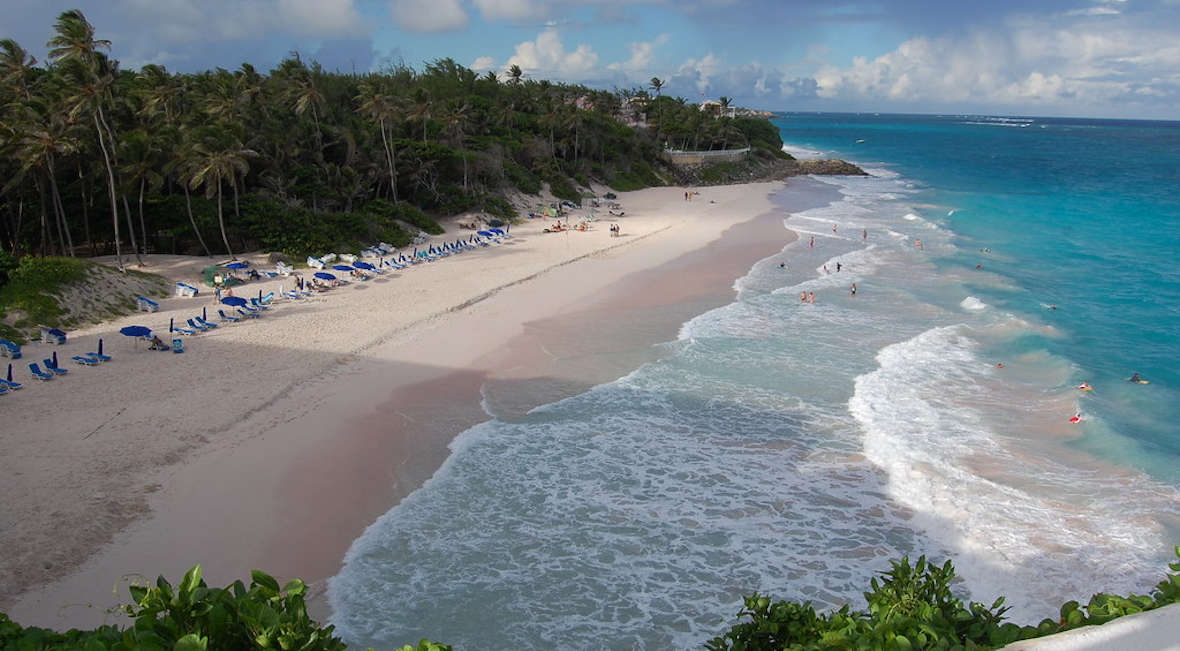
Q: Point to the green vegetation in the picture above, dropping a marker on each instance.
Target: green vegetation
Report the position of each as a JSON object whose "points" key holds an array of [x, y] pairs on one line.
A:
{"points": [[195, 617], [912, 607], [909, 607], [33, 293], [99, 159]]}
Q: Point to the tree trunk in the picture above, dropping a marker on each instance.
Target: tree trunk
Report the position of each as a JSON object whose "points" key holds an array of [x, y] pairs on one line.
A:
{"points": [[131, 230], [111, 189], [189, 204], [85, 211], [142, 227], [42, 247], [221, 222], [389, 159], [67, 239], [237, 210]]}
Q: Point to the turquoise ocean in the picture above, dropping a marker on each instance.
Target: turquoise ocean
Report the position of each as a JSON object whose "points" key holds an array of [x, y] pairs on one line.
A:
{"points": [[794, 449]]}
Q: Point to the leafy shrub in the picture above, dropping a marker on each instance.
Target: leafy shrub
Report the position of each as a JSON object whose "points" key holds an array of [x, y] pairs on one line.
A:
{"points": [[31, 288], [912, 607], [7, 264], [522, 179], [561, 187], [194, 617]]}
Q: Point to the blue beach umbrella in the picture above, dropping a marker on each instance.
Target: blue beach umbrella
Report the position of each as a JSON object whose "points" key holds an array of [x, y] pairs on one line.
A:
{"points": [[131, 331], [234, 301], [342, 267], [323, 275], [236, 265], [363, 265]]}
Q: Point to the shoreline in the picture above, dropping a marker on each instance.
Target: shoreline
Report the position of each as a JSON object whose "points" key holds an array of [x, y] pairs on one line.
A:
{"points": [[315, 456]]}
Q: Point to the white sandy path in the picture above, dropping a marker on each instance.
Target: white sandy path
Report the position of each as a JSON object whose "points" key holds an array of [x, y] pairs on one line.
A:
{"points": [[206, 441]]}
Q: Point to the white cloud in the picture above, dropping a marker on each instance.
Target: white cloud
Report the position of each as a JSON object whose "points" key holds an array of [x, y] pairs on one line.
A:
{"points": [[547, 57], [321, 17], [510, 9], [641, 56], [1032, 62], [698, 72], [429, 15], [483, 63]]}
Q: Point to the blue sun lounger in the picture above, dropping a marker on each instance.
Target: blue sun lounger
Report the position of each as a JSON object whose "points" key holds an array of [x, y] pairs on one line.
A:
{"points": [[227, 317], [252, 315], [9, 349], [85, 361], [11, 386], [258, 305], [199, 328], [51, 366], [38, 373], [208, 324]]}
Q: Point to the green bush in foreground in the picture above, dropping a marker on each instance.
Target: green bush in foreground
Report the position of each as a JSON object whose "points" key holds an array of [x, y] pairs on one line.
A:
{"points": [[195, 617], [909, 607], [912, 607]]}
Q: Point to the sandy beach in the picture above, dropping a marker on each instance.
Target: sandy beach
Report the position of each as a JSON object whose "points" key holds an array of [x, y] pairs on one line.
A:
{"points": [[273, 443]]}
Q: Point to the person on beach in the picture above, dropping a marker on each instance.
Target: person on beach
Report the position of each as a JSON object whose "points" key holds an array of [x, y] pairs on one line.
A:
{"points": [[811, 297], [864, 234], [826, 270], [837, 266], [812, 242], [853, 291], [833, 228]]}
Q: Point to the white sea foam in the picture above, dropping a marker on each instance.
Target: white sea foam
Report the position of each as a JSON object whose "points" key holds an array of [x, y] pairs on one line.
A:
{"points": [[924, 413], [973, 304]]}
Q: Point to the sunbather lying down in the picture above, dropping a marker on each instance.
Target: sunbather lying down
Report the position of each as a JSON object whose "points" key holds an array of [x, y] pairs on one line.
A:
{"points": [[157, 344]]}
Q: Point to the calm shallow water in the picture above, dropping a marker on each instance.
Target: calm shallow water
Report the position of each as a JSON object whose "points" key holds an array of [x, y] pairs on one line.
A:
{"points": [[794, 448]]}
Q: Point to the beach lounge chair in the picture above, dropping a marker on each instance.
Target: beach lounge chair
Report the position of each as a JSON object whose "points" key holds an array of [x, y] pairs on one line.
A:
{"points": [[9, 349], [252, 315], [227, 317], [208, 324], [267, 298], [54, 368], [315, 263], [177, 346], [38, 373], [283, 269], [196, 326], [185, 289], [8, 383], [99, 356], [183, 331], [144, 304], [52, 336], [256, 304], [85, 361]]}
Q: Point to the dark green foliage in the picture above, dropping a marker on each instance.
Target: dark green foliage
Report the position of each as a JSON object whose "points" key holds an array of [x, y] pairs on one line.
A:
{"points": [[522, 179], [561, 187], [7, 265], [32, 287], [194, 617], [912, 607]]}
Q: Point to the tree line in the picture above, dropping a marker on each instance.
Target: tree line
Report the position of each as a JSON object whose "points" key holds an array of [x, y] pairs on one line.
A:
{"points": [[97, 159]]}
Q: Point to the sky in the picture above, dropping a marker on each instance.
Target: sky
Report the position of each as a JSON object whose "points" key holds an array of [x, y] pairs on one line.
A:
{"points": [[1084, 58]]}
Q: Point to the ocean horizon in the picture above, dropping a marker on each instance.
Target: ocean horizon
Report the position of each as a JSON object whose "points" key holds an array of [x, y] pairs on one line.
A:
{"points": [[793, 448]]}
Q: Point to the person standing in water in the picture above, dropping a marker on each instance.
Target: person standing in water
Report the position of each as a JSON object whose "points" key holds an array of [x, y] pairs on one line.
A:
{"points": [[812, 242], [864, 234], [853, 291], [837, 265]]}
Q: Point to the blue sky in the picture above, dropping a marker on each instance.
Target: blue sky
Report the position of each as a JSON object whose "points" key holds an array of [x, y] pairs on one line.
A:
{"points": [[1098, 58]]}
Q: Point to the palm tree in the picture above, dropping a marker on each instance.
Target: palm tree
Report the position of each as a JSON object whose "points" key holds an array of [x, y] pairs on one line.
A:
{"points": [[306, 97], [515, 74], [382, 108], [180, 165], [456, 119], [16, 66], [215, 162], [41, 136], [420, 110], [140, 154], [76, 50]]}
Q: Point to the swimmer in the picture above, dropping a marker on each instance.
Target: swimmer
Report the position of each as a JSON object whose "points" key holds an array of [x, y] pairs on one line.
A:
{"points": [[853, 291], [978, 267], [1085, 386], [999, 364], [918, 243], [826, 269], [1077, 418], [833, 228], [864, 234], [837, 266], [802, 297], [811, 297], [782, 265], [812, 242]]}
